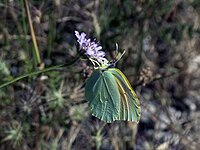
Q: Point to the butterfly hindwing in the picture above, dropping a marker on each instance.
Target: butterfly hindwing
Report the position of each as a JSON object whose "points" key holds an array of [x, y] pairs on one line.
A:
{"points": [[129, 103], [103, 96]]}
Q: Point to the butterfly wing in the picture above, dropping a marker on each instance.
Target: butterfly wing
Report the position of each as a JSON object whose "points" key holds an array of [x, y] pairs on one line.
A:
{"points": [[129, 103], [102, 94]]}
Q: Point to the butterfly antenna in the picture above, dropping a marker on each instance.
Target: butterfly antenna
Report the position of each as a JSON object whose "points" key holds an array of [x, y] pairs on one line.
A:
{"points": [[117, 48], [120, 57]]}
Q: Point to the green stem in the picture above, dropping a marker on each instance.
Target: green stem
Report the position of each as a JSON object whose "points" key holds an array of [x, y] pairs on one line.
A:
{"points": [[36, 50], [39, 71], [24, 24], [139, 52]]}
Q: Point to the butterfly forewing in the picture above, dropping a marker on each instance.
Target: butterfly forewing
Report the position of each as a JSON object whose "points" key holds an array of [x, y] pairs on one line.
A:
{"points": [[129, 103], [103, 96]]}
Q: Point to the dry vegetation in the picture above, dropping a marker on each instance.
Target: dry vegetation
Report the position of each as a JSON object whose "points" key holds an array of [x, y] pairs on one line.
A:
{"points": [[162, 61]]}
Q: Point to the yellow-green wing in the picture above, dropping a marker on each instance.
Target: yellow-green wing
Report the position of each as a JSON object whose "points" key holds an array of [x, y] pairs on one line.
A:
{"points": [[101, 92], [129, 103]]}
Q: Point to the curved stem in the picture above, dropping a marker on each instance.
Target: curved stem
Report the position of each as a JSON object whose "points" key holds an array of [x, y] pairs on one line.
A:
{"points": [[38, 72]]}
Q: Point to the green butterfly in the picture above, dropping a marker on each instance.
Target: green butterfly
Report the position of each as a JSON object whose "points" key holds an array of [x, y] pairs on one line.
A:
{"points": [[111, 97]]}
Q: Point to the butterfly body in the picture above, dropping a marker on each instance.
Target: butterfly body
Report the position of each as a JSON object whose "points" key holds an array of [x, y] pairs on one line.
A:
{"points": [[111, 97]]}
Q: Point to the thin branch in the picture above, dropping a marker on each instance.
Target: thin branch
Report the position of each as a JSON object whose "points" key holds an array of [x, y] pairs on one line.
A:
{"points": [[159, 78], [38, 72]]}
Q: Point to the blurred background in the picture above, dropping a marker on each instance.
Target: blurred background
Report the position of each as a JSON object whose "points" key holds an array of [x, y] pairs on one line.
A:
{"points": [[162, 60]]}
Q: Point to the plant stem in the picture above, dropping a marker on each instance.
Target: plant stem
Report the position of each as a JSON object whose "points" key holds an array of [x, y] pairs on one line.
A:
{"points": [[39, 71], [24, 24], [36, 50]]}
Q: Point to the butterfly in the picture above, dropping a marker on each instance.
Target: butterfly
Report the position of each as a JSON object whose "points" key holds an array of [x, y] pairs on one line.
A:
{"points": [[111, 97]]}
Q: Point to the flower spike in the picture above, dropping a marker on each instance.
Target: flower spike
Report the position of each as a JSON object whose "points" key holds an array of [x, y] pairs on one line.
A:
{"points": [[92, 50]]}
